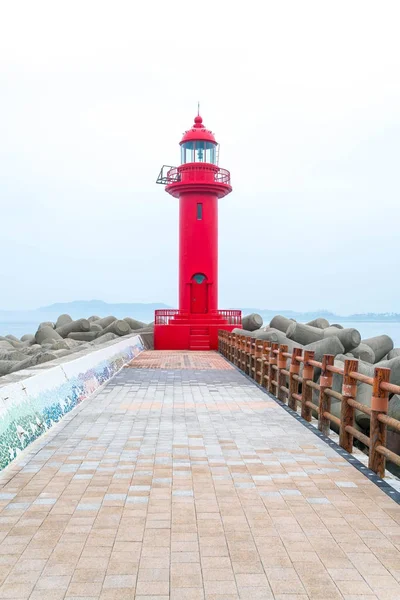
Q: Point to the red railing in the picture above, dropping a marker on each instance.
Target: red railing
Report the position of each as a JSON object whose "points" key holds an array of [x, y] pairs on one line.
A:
{"points": [[165, 315], [234, 317], [174, 175], [223, 176]]}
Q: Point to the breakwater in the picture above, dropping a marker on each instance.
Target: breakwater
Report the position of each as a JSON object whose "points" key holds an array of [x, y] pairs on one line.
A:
{"points": [[65, 337]]}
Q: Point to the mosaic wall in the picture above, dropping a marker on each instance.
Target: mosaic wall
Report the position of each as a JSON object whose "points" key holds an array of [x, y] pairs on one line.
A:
{"points": [[30, 407]]}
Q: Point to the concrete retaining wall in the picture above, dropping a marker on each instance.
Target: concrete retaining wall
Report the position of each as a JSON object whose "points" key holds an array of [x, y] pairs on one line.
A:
{"points": [[41, 398]]}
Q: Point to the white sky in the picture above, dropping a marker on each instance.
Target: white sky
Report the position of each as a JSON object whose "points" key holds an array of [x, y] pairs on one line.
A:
{"points": [[304, 98]]}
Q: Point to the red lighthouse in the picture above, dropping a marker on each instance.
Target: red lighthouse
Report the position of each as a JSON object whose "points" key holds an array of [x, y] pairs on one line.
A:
{"points": [[198, 183]]}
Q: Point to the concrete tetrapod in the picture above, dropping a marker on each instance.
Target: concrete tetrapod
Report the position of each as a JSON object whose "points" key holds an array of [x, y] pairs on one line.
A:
{"points": [[6, 366], [134, 324], [79, 325], [14, 355], [321, 323], [28, 337], [331, 345], [93, 318], [239, 331], [95, 327], [393, 353], [106, 321], [107, 337], [63, 320], [83, 336], [364, 352], [252, 322], [274, 335], [349, 337], [12, 337], [282, 323], [119, 327], [380, 346], [46, 324], [304, 334], [46, 333]]}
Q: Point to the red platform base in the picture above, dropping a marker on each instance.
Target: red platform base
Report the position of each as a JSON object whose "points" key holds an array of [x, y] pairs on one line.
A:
{"points": [[182, 331]]}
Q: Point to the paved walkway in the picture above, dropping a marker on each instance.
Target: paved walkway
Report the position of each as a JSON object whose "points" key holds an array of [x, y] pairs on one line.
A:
{"points": [[180, 479]]}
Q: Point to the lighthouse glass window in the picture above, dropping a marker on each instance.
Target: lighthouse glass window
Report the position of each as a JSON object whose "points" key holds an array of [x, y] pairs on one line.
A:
{"points": [[198, 151]]}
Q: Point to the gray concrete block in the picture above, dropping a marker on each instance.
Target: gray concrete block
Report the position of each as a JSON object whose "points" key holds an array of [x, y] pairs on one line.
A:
{"points": [[14, 355], [350, 337], [46, 333], [252, 322], [46, 324], [134, 324], [321, 323], [380, 345], [95, 327], [280, 322], [28, 337], [12, 337], [93, 318], [304, 334], [60, 345], [239, 331], [119, 327], [364, 352], [331, 345], [106, 321], [63, 320], [6, 366], [79, 325], [107, 337], [83, 336], [393, 353]]}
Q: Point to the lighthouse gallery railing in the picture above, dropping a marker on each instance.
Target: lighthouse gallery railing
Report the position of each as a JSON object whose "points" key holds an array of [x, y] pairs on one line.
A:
{"points": [[220, 175]]}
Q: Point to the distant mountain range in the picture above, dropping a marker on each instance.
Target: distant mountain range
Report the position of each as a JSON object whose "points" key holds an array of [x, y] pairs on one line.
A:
{"points": [[145, 312], [83, 309]]}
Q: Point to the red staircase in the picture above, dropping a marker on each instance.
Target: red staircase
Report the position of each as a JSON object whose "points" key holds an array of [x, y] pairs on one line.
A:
{"points": [[199, 338]]}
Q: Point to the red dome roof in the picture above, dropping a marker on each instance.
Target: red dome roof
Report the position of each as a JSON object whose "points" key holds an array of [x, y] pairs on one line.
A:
{"points": [[198, 132]]}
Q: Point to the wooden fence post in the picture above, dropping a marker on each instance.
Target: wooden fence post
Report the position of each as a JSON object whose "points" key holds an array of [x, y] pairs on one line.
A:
{"points": [[378, 430], [266, 346], [249, 355], [294, 369], [253, 364], [243, 353], [349, 390], [273, 360], [306, 391], [257, 361], [281, 378], [232, 355], [325, 383]]}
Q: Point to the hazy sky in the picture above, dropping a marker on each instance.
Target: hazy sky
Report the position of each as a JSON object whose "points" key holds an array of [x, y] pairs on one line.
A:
{"points": [[304, 97]]}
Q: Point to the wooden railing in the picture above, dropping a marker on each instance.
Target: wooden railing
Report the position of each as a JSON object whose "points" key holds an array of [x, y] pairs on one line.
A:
{"points": [[278, 371]]}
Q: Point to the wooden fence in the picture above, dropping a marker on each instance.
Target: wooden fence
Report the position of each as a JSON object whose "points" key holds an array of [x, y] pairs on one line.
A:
{"points": [[278, 371]]}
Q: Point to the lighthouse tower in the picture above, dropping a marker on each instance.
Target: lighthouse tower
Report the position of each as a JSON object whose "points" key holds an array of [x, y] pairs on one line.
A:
{"points": [[198, 183]]}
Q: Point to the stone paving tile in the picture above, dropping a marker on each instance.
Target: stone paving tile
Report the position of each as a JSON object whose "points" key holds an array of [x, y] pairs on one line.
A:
{"points": [[181, 479]]}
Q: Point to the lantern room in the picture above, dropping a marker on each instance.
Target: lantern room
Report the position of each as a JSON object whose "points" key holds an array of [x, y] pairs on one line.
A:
{"points": [[198, 145]]}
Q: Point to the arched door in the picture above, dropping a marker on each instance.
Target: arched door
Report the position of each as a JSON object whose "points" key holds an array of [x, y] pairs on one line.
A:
{"points": [[199, 294]]}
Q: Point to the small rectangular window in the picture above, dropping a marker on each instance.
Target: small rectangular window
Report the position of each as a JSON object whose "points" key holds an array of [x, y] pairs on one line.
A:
{"points": [[200, 211]]}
